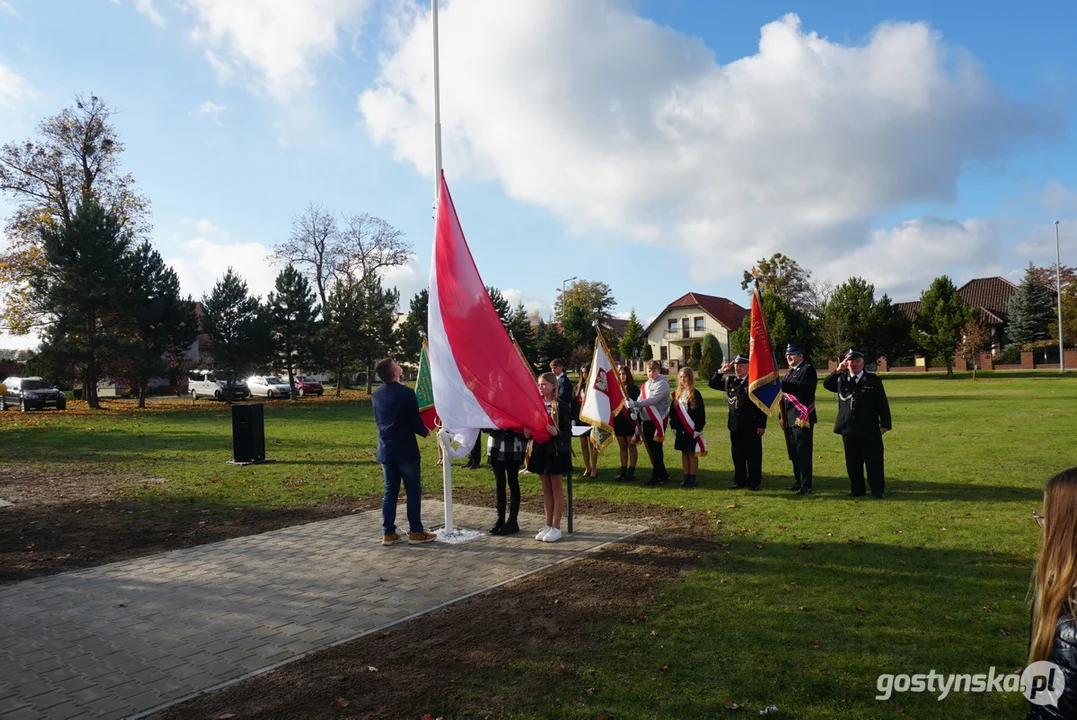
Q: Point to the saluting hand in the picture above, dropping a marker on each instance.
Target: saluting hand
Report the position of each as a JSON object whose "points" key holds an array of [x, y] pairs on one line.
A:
{"points": [[725, 367]]}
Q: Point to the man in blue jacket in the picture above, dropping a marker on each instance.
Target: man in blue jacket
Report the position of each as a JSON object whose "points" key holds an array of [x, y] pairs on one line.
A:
{"points": [[396, 413]]}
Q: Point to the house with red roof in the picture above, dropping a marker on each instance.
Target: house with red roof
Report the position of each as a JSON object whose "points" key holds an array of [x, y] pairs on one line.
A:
{"points": [[687, 320], [991, 298]]}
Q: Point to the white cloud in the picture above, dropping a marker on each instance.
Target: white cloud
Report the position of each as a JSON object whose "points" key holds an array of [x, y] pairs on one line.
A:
{"points": [[211, 110], [277, 41], [531, 304], [618, 124], [408, 279], [1058, 198], [7, 7], [12, 87], [203, 260], [902, 261], [147, 8]]}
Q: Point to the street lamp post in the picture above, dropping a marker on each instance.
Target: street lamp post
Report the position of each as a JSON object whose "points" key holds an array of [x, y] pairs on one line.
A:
{"points": [[1058, 290]]}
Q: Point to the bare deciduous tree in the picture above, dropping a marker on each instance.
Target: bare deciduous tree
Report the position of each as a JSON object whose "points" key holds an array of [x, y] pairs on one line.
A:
{"points": [[314, 247], [369, 245]]}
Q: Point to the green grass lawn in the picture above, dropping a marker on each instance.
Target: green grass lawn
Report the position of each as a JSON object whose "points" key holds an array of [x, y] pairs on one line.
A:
{"points": [[806, 603]]}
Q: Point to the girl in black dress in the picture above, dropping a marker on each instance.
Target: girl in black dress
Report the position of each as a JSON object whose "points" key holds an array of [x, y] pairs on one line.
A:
{"points": [[587, 450], [505, 451], [688, 400], [625, 430], [552, 459]]}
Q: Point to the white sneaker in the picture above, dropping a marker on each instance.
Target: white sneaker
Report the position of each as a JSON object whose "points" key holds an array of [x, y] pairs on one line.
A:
{"points": [[542, 533], [553, 536]]}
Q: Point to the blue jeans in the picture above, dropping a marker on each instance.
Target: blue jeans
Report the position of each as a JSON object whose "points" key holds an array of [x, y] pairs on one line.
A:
{"points": [[413, 489]]}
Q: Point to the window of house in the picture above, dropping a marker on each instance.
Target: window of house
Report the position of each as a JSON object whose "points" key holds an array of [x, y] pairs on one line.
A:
{"points": [[665, 353], [700, 323], [672, 326]]}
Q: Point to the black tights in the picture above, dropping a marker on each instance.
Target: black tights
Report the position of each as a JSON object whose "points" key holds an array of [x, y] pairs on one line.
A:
{"points": [[511, 474]]}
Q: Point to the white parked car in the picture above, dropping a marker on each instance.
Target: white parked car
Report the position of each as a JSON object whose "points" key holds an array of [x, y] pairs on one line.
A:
{"points": [[207, 384], [269, 386]]}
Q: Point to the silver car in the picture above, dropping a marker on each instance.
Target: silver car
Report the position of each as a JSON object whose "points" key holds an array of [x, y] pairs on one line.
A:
{"points": [[268, 386]]}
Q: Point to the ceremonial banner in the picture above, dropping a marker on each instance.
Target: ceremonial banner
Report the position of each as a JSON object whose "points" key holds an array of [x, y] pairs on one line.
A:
{"points": [[605, 396], [424, 392], [764, 385], [475, 369]]}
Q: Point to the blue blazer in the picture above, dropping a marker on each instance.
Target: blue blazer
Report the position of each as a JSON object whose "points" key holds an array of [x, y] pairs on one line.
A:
{"points": [[564, 391], [396, 413]]}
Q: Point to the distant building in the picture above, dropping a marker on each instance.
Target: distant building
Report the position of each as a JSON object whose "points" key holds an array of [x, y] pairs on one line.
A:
{"points": [[991, 296], [687, 320]]}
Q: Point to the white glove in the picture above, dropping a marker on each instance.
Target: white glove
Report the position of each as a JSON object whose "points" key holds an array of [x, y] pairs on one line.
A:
{"points": [[631, 404], [698, 435]]}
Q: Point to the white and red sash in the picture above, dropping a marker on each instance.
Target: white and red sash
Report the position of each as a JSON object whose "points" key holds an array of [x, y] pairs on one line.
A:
{"points": [[653, 416], [805, 411], [690, 426]]}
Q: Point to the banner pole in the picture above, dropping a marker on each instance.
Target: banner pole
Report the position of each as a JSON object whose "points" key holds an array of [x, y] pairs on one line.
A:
{"points": [[446, 480]]}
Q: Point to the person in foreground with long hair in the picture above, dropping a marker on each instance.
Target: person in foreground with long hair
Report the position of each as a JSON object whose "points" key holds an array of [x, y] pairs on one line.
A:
{"points": [[552, 459], [1053, 633]]}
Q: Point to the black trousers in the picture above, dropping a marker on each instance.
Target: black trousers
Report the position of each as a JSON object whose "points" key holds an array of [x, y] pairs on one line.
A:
{"points": [[655, 450], [861, 452], [475, 456], [747, 451], [507, 474], [798, 442]]}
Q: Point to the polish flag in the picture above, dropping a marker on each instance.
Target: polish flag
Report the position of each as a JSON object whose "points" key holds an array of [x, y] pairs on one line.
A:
{"points": [[475, 369], [605, 396]]}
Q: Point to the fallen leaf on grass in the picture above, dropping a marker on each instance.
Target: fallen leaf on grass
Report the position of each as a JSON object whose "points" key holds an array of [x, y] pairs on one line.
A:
{"points": [[730, 507], [805, 546], [590, 691], [664, 669], [226, 716], [730, 705], [858, 608], [579, 703], [802, 607], [338, 678], [342, 703], [816, 644], [558, 668], [371, 668], [758, 547]]}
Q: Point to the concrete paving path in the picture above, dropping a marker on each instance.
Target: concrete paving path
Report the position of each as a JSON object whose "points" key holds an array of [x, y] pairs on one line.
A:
{"points": [[126, 639]]}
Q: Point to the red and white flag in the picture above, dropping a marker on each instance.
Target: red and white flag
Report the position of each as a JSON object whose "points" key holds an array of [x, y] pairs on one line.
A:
{"points": [[475, 369], [605, 396]]}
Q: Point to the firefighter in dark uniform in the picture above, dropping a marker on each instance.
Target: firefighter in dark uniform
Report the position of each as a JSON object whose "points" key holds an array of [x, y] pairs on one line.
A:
{"points": [[798, 416], [863, 418], [747, 423]]}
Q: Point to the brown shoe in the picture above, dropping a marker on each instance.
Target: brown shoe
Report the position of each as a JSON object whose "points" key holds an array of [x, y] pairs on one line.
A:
{"points": [[418, 538], [390, 539]]}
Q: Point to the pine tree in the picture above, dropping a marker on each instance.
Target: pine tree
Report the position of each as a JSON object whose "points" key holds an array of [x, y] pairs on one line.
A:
{"points": [[695, 355], [376, 319], [710, 359], [648, 352], [413, 329], [294, 313], [341, 333], [234, 322], [1031, 310], [161, 324], [942, 316], [501, 305], [522, 331], [83, 286], [633, 340]]}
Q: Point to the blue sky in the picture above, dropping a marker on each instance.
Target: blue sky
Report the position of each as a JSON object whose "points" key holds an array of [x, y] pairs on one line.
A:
{"points": [[657, 145]]}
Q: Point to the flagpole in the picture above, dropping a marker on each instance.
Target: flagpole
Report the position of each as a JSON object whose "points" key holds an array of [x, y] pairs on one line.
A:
{"points": [[446, 468], [437, 105]]}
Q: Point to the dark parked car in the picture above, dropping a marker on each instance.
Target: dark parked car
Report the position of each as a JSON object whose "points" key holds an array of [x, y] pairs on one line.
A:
{"points": [[29, 393], [306, 385]]}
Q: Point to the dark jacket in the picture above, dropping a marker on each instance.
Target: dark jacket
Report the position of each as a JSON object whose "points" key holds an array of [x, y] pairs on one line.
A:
{"points": [[697, 413], [744, 415], [1064, 654], [565, 393], [802, 384], [396, 413], [862, 407]]}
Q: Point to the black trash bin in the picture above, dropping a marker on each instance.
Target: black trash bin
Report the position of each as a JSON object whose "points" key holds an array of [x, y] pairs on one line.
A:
{"points": [[248, 434]]}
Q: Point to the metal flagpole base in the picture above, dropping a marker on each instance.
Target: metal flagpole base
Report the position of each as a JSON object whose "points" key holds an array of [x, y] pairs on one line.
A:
{"points": [[457, 535]]}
